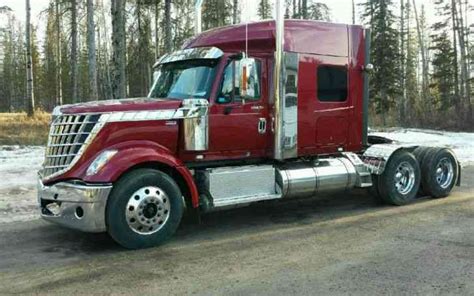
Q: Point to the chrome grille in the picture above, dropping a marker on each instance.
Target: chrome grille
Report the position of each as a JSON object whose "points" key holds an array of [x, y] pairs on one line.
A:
{"points": [[67, 137]]}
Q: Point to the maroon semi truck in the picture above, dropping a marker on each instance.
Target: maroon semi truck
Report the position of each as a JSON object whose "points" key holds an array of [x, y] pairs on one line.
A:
{"points": [[241, 114]]}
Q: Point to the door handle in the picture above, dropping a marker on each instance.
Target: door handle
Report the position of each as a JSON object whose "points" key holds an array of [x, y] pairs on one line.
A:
{"points": [[257, 108], [262, 125], [227, 110]]}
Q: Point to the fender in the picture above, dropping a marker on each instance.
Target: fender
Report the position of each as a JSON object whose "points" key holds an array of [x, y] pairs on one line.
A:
{"points": [[377, 155], [134, 153]]}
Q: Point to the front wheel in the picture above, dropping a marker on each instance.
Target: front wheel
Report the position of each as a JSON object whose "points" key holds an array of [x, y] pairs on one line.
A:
{"points": [[144, 209], [400, 181]]}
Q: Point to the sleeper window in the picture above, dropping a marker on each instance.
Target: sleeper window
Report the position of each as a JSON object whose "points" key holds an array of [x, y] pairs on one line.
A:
{"points": [[332, 83]]}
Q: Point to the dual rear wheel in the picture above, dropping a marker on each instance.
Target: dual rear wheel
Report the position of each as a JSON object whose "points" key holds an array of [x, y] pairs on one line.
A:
{"points": [[426, 171]]}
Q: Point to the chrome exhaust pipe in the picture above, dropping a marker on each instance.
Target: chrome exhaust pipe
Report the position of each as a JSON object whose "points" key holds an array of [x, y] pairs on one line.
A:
{"points": [[278, 81]]}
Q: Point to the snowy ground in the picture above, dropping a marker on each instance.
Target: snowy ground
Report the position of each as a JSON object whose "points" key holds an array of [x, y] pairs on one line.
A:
{"points": [[18, 168], [461, 143], [19, 165]]}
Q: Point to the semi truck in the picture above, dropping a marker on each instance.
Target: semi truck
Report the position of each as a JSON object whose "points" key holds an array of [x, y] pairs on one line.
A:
{"points": [[240, 114]]}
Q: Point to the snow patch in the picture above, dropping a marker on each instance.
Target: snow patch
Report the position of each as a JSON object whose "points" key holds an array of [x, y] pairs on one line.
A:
{"points": [[461, 143], [18, 175]]}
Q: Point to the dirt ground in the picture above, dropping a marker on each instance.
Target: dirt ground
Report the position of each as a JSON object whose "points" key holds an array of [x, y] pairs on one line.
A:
{"points": [[345, 244]]}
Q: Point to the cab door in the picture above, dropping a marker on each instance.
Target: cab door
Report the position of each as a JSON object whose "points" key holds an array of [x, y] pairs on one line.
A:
{"points": [[238, 117]]}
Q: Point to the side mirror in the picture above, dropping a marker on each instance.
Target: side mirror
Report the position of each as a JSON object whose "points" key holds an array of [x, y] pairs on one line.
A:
{"points": [[246, 65]]}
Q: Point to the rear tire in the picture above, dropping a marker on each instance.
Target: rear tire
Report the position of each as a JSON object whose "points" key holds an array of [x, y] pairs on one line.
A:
{"points": [[400, 181], [144, 209], [439, 172], [374, 189], [420, 155]]}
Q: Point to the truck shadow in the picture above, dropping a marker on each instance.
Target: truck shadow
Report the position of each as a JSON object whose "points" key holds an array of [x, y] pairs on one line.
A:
{"points": [[223, 224]]}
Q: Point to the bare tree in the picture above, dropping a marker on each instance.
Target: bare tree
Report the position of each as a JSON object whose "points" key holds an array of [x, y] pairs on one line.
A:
{"points": [[157, 34], [74, 68], [424, 62], [354, 12], [402, 104], [91, 49], [168, 35], [29, 64], [457, 102], [235, 11], [304, 9], [119, 48], [465, 81], [59, 84]]}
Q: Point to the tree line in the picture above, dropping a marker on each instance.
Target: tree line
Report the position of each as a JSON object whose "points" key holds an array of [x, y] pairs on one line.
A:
{"points": [[99, 49]]}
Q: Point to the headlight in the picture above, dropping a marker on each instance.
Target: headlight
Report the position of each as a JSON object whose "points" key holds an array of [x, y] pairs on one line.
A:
{"points": [[100, 161]]}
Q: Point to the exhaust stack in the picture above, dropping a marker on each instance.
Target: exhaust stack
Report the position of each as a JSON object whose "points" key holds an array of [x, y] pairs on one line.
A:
{"points": [[278, 80], [197, 17]]}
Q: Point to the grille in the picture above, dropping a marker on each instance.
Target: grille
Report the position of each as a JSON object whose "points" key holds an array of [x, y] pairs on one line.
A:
{"points": [[67, 135]]}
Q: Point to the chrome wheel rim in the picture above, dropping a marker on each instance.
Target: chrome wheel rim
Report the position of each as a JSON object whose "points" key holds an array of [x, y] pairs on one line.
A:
{"points": [[405, 178], [147, 210], [444, 172]]}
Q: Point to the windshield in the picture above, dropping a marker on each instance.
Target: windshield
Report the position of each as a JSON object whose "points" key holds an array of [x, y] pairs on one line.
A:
{"points": [[184, 80]]}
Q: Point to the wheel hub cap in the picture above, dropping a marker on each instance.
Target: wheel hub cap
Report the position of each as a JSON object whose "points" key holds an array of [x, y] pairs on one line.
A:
{"points": [[444, 173], [405, 178], [147, 210]]}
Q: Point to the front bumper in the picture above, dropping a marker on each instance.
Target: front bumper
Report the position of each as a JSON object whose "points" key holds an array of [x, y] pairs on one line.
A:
{"points": [[75, 205]]}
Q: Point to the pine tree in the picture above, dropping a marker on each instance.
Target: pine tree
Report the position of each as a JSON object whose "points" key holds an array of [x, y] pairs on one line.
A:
{"points": [[264, 9], [444, 59], [317, 11], [385, 81], [29, 64], [216, 13]]}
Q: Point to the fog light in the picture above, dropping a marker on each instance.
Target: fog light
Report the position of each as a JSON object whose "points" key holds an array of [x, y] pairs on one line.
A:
{"points": [[79, 212], [54, 208]]}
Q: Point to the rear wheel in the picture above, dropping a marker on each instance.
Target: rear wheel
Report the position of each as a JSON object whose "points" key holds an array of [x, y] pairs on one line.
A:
{"points": [[144, 209], [439, 172], [400, 180], [420, 155]]}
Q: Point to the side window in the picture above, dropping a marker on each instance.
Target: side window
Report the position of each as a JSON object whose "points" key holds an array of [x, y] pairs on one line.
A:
{"points": [[232, 90], [332, 83]]}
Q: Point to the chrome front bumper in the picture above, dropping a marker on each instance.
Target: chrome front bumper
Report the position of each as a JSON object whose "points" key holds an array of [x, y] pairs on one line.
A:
{"points": [[74, 205]]}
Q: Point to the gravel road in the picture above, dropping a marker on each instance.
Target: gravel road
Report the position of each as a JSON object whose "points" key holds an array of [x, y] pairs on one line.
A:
{"points": [[344, 244]]}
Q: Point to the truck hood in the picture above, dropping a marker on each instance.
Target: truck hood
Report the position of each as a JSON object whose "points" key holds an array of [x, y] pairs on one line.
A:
{"points": [[135, 104]]}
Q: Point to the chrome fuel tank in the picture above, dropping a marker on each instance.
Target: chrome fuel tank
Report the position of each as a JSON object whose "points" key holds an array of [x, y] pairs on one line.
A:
{"points": [[325, 175]]}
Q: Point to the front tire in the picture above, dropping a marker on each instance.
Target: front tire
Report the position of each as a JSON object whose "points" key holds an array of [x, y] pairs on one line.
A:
{"points": [[400, 181], [144, 209]]}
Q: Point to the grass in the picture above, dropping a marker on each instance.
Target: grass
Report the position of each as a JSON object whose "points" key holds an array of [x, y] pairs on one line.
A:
{"points": [[19, 129]]}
